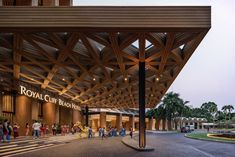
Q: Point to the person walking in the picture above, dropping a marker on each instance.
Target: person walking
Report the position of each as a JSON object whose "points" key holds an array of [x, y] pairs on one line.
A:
{"points": [[1, 132], [131, 132], [90, 132], [100, 130], [27, 129], [67, 129], [10, 129], [54, 128], [47, 130], [15, 130], [43, 130], [63, 130], [103, 133], [115, 132], [72, 128], [36, 128], [123, 132], [111, 132], [5, 130]]}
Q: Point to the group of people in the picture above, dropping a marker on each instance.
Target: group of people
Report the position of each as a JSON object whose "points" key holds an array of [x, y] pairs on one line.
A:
{"points": [[123, 132], [42, 129], [112, 132], [38, 129], [6, 130]]}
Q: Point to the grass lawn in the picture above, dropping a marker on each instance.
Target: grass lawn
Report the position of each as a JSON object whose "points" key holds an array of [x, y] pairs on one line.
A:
{"points": [[231, 129], [203, 136]]}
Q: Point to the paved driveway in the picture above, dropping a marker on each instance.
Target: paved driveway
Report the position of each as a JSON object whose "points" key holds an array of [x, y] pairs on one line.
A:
{"points": [[166, 145]]}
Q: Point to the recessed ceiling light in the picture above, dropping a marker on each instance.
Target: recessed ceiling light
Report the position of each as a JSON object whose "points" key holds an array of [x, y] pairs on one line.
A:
{"points": [[63, 79], [94, 79], [157, 79], [125, 78]]}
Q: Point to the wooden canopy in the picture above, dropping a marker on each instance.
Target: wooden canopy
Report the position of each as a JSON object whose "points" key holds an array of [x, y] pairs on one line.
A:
{"points": [[91, 54]]}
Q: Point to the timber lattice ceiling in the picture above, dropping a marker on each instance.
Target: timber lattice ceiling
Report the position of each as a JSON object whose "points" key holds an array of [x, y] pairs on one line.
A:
{"points": [[98, 68]]}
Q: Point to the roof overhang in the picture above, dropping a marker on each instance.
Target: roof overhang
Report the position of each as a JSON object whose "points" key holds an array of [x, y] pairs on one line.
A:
{"points": [[91, 54]]}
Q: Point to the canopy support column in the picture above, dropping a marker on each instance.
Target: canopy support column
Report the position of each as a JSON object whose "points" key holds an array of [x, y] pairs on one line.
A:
{"points": [[142, 136], [86, 116]]}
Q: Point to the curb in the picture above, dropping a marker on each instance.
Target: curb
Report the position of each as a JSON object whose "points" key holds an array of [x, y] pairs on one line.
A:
{"points": [[214, 140], [133, 144]]}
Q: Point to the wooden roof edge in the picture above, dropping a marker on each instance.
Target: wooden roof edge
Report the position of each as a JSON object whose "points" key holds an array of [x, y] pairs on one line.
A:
{"points": [[106, 18]]}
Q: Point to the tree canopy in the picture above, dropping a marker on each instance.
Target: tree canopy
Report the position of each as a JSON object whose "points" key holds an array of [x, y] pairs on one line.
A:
{"points": [[172, 106]]}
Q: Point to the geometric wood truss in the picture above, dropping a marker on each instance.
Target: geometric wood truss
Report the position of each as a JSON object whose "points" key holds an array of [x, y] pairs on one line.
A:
{"points": [[98, 68]]}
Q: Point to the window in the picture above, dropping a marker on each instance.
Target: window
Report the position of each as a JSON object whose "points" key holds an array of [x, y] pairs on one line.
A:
{"points": [[8, 105]]}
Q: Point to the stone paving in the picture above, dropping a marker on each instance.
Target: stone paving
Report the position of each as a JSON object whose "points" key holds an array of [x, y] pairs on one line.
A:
{"points": [[29, 144], [166, 145]]}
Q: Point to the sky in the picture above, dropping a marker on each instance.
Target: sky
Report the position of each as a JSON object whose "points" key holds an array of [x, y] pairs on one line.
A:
{"points": [[209, 75]]}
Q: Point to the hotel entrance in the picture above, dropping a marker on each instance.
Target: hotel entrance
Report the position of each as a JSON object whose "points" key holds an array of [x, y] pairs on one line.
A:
{"points": [[20, 109]]}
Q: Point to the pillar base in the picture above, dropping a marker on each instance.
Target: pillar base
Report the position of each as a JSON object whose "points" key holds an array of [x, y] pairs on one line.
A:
{"points": [[130, 142]]}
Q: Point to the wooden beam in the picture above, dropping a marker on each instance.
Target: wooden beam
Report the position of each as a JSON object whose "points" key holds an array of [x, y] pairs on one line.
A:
{"points": [[94, 53], [167, 50], [6, 44], [17, 47], [115, 47], [63, 54], [117, 58]]}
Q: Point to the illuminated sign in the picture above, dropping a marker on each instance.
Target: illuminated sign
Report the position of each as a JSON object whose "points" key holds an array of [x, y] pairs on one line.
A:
{"points": [[47, 98]]}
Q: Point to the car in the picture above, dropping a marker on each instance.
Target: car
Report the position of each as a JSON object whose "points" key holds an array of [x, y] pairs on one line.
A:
{"points": [[190, 127], [185, 129]]}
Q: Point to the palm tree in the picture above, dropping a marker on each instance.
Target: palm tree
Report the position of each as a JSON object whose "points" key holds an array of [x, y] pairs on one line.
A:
{"points": [[150, 113], [183, 111], [173, 106], [219, 116], [160, 114], [224, 109], [228, 108], [187, 111]]}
